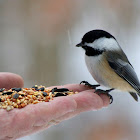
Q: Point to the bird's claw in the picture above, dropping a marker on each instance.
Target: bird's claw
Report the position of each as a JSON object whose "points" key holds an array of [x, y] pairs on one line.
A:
{"points": [[88, 84], [106, 92]]}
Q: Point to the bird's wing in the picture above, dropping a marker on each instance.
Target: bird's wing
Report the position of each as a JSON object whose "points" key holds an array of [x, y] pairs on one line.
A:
{"points": [[125, 70]]}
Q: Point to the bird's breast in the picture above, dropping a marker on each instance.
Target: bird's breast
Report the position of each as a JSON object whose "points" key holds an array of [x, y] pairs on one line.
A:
{"points": [[94, 65], [105, 75]]}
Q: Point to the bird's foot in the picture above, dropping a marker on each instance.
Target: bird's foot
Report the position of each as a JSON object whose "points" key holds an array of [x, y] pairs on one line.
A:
{"points": [[106, 92], [88, 84]]}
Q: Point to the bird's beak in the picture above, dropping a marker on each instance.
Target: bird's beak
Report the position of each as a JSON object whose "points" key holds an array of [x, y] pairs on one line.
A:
{"points": [[80, 45]]}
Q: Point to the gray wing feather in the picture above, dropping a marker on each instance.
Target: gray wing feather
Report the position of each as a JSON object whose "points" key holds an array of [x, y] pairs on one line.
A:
{"points": [[125, 70]]}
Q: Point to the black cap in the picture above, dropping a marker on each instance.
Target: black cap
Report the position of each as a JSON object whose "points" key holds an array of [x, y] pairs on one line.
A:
{"points": [[91, 36]]}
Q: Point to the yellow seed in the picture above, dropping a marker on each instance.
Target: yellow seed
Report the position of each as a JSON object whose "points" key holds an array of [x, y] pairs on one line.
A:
{"points": [[18, 101], [31, 93], [14, 104], [22, 100], [26, 98], [9, 103], [25, 101], [35, 102], [31, 100], [47, 89], [35, 94], [20, 97], [8, 108], [50, 94], [40, 101], [28, 91], [23, 105], [4, 107], [33, 97], [29, 96], [20, 92]]}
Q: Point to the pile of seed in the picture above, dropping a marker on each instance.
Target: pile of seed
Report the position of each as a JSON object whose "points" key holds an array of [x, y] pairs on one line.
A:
{"points": [[21, 97]]}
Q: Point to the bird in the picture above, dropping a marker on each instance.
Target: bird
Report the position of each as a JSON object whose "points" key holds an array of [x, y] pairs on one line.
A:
{"points": [[108, 64]]}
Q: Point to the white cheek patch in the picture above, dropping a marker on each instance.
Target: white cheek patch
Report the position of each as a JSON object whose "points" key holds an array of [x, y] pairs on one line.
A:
{"points": [[104, 43]]}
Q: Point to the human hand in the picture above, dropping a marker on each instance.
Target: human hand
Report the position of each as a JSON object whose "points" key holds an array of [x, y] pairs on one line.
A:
{"points": [[35, 117]]}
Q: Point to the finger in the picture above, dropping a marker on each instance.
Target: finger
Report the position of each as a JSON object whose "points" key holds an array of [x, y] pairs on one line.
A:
{"points": [[86, 101], [106, 100], [73, 87], [84, 104], [9, 80], [34, 115]]}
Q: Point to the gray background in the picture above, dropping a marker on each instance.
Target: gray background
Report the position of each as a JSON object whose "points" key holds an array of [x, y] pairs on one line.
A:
{"points": [[37, 41]]}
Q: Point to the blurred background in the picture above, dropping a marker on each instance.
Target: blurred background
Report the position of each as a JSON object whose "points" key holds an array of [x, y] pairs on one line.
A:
{"points": [[37, 41]]}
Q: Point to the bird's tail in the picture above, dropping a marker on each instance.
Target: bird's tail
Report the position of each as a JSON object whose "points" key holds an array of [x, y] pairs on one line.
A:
{"points": [[134, 95]]}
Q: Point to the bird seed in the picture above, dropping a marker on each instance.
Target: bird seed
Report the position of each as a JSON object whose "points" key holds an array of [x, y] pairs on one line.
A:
{"points": [[21, 97]]}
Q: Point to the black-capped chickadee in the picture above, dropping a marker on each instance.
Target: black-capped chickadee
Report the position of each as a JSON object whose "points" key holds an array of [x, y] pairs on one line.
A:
{"points": [[108, 64]]}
